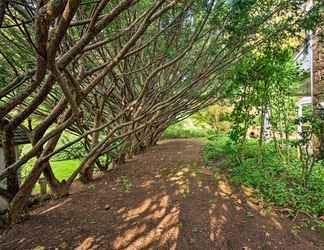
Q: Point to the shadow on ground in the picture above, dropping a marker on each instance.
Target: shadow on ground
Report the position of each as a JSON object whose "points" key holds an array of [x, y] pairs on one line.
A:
{"points": [[163, 199]]}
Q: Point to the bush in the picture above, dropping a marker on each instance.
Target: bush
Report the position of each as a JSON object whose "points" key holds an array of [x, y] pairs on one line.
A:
{"points": [[217, 147]]}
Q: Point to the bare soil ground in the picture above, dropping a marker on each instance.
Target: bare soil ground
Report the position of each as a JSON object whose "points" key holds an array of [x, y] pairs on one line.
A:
{"points": [[163, 199]]}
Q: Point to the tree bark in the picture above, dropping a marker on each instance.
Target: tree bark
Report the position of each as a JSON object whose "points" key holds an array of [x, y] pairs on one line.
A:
{"points": [[9, 149], [3, 6], [17, 205], [19, 202], [58, 189], [86, 174]]}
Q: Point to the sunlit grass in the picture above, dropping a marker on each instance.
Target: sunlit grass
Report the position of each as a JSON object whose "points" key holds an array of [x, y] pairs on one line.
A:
{"points": [[62, 170]]}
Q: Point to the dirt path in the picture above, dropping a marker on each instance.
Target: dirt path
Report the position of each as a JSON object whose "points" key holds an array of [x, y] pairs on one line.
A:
{"points": [[163, 199]]}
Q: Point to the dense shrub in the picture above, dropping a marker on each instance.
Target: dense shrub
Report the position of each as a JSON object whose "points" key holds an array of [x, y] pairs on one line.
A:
{"points": [[216, 148]]}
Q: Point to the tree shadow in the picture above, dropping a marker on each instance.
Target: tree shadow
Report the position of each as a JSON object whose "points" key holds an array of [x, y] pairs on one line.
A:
{"points": [[173, 203]]}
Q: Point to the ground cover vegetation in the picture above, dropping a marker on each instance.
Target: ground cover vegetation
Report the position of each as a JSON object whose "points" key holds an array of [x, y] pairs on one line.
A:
{"points": [[277, 182], [111, 76], [282, 167]]}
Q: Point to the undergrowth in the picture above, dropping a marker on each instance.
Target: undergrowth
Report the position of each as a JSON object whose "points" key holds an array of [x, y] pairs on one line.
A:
{"points": [[275, 179]]}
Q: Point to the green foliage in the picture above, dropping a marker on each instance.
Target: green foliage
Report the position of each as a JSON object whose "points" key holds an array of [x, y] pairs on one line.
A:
{"points": [[274, 179], [262, 81], [180, 131], [214, 118], [311, 130], [75, 151], [216, 148]]}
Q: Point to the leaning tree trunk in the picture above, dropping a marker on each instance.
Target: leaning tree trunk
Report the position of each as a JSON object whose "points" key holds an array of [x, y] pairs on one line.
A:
{"points": [[86, 167], [3, 7], [58, 189], [9, 149], [18, 204], [86, 173]]}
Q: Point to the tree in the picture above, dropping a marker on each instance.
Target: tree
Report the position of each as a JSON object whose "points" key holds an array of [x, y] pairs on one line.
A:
{"points": [[264, 83], [117, 73]]}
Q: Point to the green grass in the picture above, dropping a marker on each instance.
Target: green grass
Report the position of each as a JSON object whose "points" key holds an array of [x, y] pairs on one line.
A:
{"points": [[61, 169]]}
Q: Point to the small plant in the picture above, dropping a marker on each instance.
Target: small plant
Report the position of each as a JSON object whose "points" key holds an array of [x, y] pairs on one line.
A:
{"points": [[92, 187], [125, 183], [307, 156]]}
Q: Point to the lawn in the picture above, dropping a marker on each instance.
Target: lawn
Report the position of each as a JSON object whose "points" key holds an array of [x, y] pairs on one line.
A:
{"points": [[62, 170]]}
